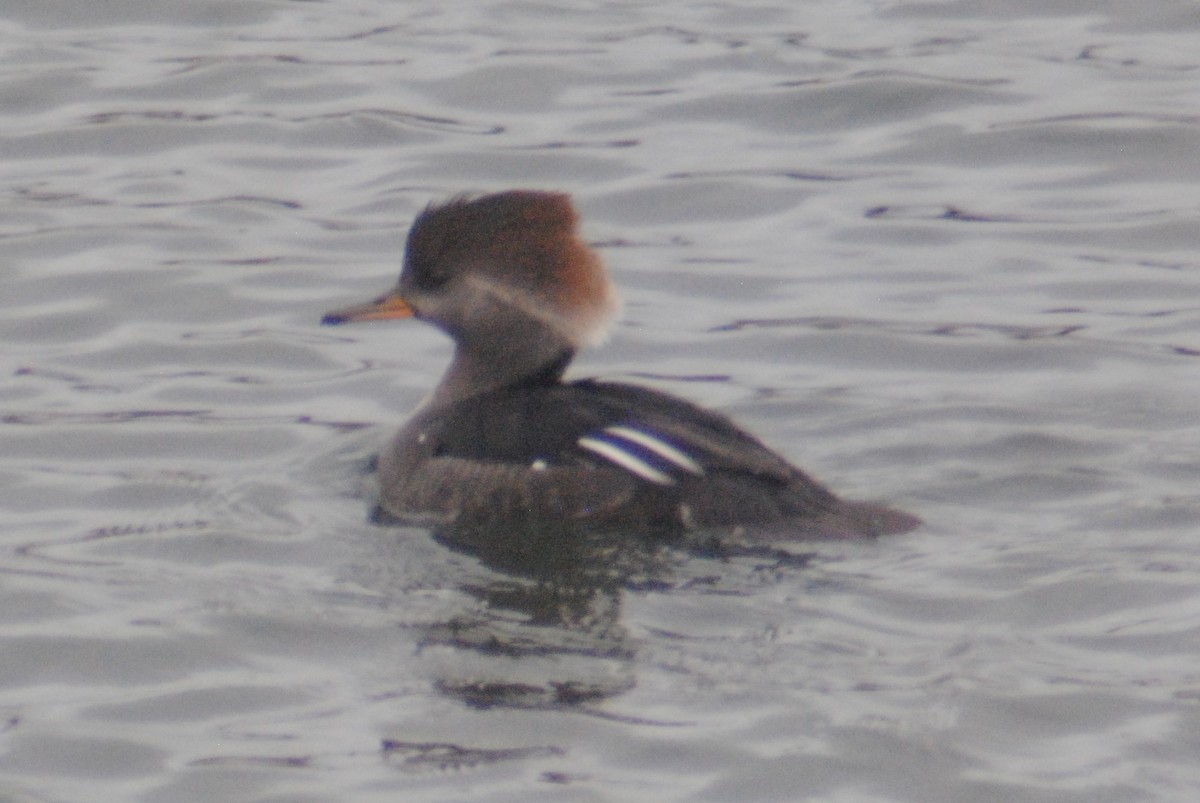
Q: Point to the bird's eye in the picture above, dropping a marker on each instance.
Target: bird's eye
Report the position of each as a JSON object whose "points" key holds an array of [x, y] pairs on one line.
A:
{"points": [[426, 275]]}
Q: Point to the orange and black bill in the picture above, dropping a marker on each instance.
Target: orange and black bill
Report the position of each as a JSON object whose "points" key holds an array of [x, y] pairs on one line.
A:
{"points": [[386, 307]]}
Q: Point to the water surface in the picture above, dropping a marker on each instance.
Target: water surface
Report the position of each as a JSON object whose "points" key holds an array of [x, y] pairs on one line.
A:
{"points": [[941, 254]]}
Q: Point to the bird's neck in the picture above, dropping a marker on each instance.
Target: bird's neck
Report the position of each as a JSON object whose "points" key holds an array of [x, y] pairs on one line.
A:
{"points": [[510, 356]]}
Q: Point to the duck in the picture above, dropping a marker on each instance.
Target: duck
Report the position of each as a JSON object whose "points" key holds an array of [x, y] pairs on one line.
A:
{"points": [[505, 442]]}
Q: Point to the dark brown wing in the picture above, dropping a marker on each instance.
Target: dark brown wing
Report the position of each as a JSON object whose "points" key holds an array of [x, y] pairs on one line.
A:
{"points": [[608, 452]]}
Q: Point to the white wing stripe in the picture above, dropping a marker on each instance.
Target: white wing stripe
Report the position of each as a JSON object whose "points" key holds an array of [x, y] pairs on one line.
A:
{"points": [[625, 460], [661, 448]]}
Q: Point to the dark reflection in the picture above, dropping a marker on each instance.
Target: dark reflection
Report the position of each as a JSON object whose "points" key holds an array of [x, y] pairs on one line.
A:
{"points": [[549, 616], [548, 629], [444, 756]]}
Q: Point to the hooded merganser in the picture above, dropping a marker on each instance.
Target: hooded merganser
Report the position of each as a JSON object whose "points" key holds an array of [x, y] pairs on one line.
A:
{"points": [[505, 441]]}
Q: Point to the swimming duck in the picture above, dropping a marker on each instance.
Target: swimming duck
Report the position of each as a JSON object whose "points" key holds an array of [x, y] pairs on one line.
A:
{"points": [[504, 441]]}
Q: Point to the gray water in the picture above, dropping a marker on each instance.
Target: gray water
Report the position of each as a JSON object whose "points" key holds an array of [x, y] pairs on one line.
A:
{"points": [[942, 254]]}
